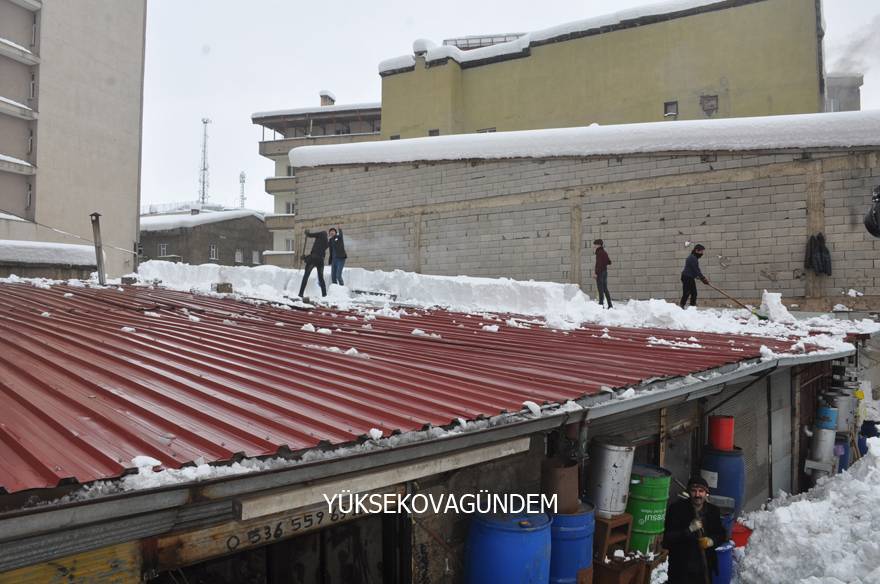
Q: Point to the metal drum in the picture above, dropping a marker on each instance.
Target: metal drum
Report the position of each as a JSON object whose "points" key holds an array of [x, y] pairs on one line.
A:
{"points": [[822, 450], [611, 461]]}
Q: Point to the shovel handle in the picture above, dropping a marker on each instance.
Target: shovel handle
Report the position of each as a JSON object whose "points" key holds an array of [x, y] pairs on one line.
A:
{"points": [[720, 291]]}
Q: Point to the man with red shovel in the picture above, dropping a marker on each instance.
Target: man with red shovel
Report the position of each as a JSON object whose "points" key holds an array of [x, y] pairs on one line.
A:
{"points": [[693, 531]]}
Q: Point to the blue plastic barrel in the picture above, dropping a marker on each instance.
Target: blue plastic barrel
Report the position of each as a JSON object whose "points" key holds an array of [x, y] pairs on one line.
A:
{"points": [[863, 445], [727, 523], [724, 553], [826, 418], [572, 544], [842, 450], [512, 549], [725, 471]]}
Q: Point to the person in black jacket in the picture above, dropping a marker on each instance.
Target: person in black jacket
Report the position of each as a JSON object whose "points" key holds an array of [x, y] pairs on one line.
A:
{"points": [[315, 259], [689, 276], [337, 256], [693, 531]]}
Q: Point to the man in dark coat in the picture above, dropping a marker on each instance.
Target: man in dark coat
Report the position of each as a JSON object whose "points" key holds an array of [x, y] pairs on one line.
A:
{"points": [[693, 531], [315, 259], [601, 272], [689, 276], [337, 256]]}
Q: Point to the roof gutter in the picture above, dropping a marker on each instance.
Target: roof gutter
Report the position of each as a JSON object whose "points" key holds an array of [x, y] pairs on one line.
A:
{"points": [[41, 534]]}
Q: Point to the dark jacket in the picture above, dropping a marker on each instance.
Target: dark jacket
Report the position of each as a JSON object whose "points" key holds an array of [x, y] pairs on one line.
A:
{"points": [[602, 260], [692, 267], [818, 258], [685, 559], [337, 247], [319, 248]]}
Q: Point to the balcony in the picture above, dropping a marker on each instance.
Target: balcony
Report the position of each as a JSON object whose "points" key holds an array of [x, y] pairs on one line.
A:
{"points": [[16, 165], [280, 184], [271, 148], [18, 53], [32, 5], [280, 221], [16, 109]]}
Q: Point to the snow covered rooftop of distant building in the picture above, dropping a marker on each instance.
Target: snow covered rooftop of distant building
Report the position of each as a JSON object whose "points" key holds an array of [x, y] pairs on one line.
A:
{"points": [[320, 109], [826, 130], [575, 28], [43, 252], [179, 220]]}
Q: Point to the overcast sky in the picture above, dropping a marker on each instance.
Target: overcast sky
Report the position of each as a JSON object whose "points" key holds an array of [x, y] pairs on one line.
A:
{"points": [[225, 59]]}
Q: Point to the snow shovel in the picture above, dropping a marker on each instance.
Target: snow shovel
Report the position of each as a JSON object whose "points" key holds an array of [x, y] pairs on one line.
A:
{"points": [[729, 297]]}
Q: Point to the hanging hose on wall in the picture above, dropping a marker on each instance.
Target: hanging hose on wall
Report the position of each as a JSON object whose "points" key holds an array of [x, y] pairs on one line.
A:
{"points": [[872, 217]]}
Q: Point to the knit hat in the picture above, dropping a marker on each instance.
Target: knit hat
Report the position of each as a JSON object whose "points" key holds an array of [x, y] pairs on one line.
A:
{"points": [[698, 481], [699, 247]]}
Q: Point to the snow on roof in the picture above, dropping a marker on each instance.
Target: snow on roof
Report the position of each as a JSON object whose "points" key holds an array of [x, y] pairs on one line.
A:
{"points": [[44, 252], [327, 93], [826, 130], [321, 109], [15, 45], [182, 220], [435, 52], [9, 217], [14, 160], [15, 103]]}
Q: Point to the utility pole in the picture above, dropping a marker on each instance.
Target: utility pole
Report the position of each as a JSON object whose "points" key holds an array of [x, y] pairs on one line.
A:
{"points": [[99, 252], [203, 171], [241, 178]]}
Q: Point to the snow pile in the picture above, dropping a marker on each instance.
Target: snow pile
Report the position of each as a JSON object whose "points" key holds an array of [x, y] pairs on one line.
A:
{"points": [[558, 306], [44, 252], [181, 220], [827, 535], [825, 130], [854, 293]]}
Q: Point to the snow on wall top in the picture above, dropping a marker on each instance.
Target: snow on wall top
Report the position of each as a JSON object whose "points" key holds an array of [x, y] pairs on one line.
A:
{"points": [[9, 217], [318, 110], [180, 220], [434, 52], [827, 130], [15, 103], [43, 252], [14, 160]]}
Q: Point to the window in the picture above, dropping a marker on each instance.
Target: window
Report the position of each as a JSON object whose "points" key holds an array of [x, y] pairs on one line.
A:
{"points": [[709, 104], [255, 257], [290, 171], [670, 109], [163, 250], [33, 87], [485, 130], [34, 32], [343, 129], [212, 252], [29, 196], [30, 146], [288, 245], [434, 132], [395, 137], [290, 207], [140, 250], [239, 256]]}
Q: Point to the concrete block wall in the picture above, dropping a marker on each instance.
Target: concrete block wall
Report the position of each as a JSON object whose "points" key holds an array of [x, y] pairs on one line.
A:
{"points": [[537, 218]]}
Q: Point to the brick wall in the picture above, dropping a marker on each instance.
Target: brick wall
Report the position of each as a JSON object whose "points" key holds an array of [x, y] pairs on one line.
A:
{"points": [[536, 218]]}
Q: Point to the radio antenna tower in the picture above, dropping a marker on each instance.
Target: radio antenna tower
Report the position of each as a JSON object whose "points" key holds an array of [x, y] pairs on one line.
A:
{"points": [[241, 178], [203, 171]]}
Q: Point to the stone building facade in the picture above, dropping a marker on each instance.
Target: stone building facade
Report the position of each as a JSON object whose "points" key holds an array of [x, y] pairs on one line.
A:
{"points": [[537, 217]]}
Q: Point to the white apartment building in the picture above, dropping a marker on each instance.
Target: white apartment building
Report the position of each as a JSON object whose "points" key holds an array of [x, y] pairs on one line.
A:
{"points": [[71, 101]]}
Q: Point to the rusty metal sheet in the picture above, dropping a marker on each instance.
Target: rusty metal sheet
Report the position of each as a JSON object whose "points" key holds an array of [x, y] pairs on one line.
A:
{"points": [[90, 378]]}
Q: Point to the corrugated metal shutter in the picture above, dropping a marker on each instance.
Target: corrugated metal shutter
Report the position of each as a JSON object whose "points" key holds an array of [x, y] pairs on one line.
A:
{"points": [[750, 431], [639, 427], [780, 382]]}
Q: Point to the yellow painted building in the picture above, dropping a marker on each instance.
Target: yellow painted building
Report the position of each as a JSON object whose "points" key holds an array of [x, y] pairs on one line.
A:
{"points": [[734, 58]]}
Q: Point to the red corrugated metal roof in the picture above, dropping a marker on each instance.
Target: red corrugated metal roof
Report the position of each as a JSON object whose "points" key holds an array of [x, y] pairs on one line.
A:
{"points": [[212, 378]]}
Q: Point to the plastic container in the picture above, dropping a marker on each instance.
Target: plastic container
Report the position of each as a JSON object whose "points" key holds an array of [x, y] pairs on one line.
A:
{"points": [[726, 474], [826, 418], [842, 451], [724, 553], [648, 496], [721, 432], [740, 534], [512, 549], [572, 544], [611, 460]]}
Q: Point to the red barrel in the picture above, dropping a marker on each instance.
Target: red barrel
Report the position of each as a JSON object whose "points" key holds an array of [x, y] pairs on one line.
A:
{"points": [[740, 534], [721, 432]]}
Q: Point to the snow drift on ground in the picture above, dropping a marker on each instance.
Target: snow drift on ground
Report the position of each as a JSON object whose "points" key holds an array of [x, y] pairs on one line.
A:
{"points": [[560, 306], [827, 535]]}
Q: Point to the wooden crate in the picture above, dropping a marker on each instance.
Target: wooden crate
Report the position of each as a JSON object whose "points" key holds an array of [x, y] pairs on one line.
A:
{"points": [[611, 534]]}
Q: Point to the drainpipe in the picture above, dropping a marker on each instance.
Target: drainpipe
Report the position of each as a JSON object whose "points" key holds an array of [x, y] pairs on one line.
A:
{"points": [[99, 252]]}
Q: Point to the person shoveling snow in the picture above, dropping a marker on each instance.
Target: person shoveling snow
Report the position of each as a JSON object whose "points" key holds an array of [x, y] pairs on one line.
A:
{"points": [[826, 535]]}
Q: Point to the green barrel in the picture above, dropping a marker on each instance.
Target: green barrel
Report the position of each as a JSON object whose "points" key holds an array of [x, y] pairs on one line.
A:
{"points": [[648, 495]]}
